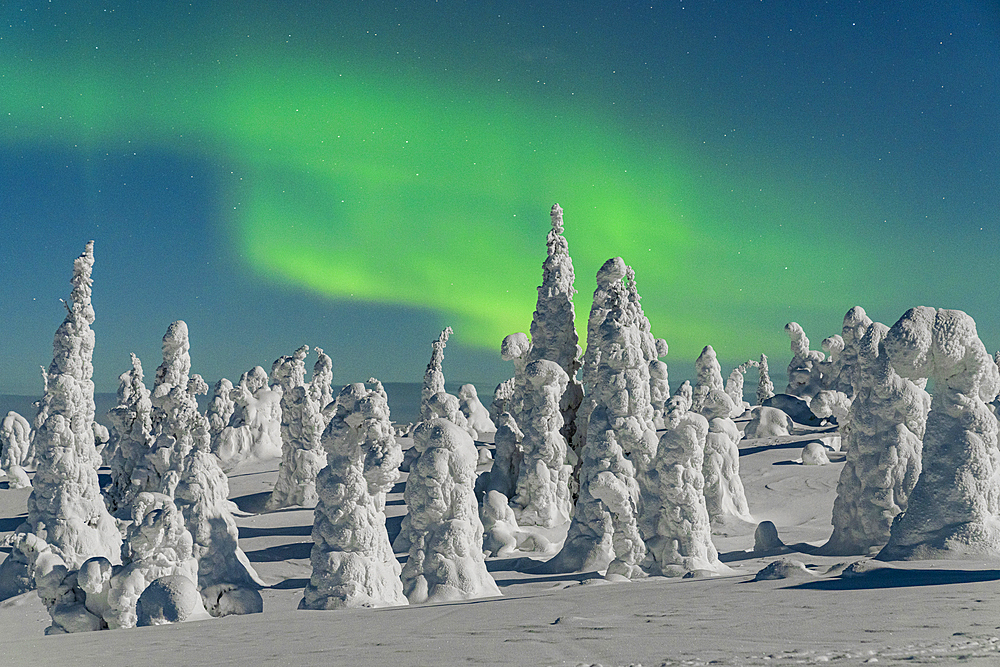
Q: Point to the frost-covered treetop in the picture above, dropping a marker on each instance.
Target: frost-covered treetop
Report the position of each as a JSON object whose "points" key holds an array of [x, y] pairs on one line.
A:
{"points": [[943, 345], [74, 340], [289, 370], [176, 365]]}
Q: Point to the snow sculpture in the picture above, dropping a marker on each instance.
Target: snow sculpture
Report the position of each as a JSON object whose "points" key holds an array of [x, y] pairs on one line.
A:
{"points": [[220, 408], [476, 414], [804, 370], [828, 403], [353, 563], [856, 323], [684, 396], [675, 518], [620, 439], [131, 428], [254, 430], [542, 490], [302, 425], [65, 508], [553, 330], [765, 388], [444, 531], [434, 375], [15, 437], [954, 507]]}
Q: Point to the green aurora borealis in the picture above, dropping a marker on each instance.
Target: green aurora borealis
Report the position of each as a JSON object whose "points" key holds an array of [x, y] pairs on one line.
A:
{"points": [[342, 172]]}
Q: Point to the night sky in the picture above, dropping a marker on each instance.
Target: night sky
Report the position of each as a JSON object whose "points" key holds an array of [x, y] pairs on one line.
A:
{"points": [[358, 175]]}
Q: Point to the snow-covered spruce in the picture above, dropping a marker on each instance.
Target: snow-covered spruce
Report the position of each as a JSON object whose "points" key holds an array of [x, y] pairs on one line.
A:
{"points": [[886, 425], [185, 468], [553, 329], [679, 537], [611, 273], [353, 563], [321, 384], [302, 425], [804, 370], [542, 489], [434, 375], [15, 437], [659, 385], [220, 407], [507, 456], [254, 429], [620, 438], [65, 507], [765, 388], [954, 509], [724, 494], [445, 532], [476, 414], [131, 436]]}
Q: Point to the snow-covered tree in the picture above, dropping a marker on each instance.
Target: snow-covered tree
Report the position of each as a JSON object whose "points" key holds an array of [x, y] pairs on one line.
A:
{"points": [[353, 563], [15, 438], [131, 436], [542, 489], [954, 509], [444, 532], [677, 529], [302, 425], [65, 509]]}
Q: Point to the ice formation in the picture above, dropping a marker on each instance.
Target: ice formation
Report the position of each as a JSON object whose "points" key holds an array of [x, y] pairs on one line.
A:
{"points": [[254, 429], [620, 440], [15, 437], [856, 323], [804, 370], [302, 425], [954, 509], [132, 439], [352, 562], [553, 330], [765, 388], [542, 490], [814, 454], [677, 529], [476, 414], [445, 532], [65, 507]]}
